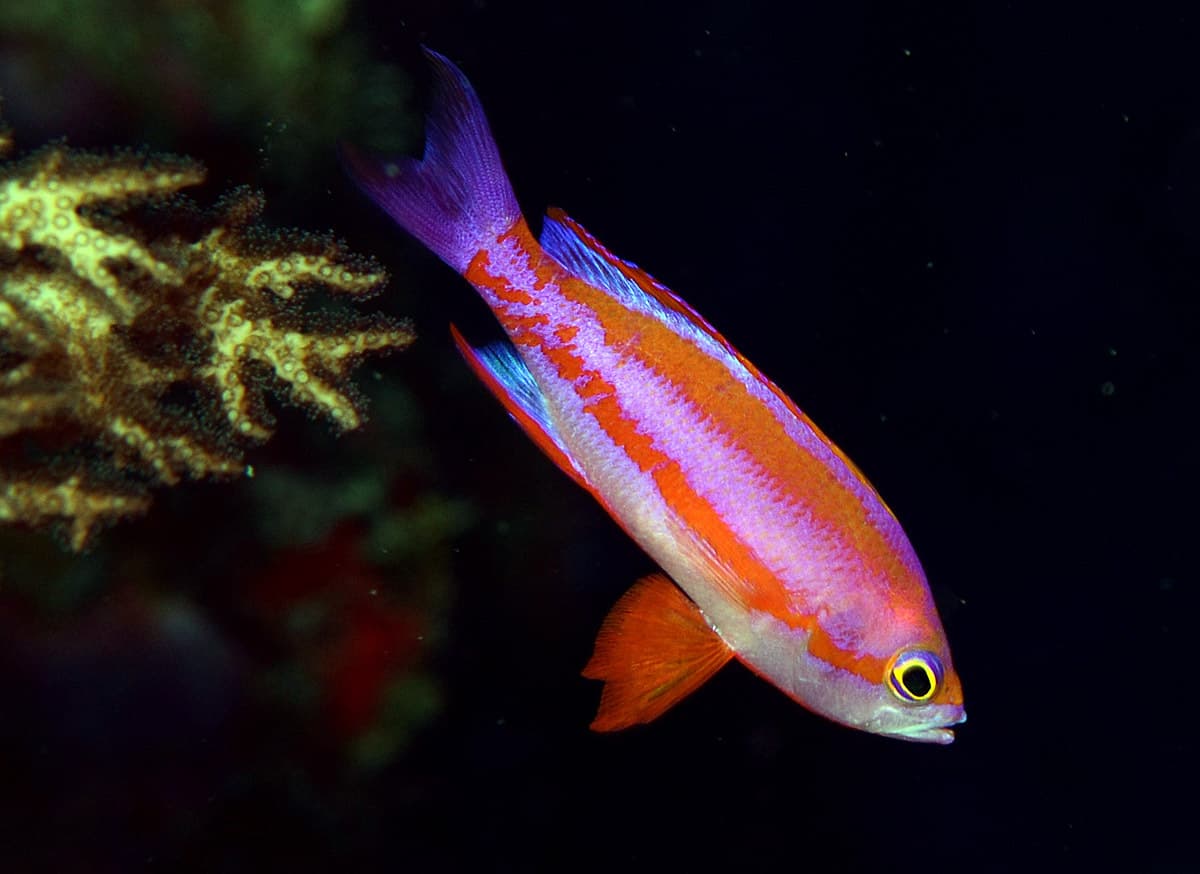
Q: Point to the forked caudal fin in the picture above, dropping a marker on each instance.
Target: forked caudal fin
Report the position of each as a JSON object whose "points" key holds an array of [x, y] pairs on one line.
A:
{"points": [[456, 197]]}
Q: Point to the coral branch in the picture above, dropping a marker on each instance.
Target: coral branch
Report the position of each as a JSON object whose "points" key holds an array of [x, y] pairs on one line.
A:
{"points": [[33, 503], [117, 299]]}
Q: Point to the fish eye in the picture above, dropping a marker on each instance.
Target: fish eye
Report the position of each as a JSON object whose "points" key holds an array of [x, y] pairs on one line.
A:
{"points": [[915, 676]]}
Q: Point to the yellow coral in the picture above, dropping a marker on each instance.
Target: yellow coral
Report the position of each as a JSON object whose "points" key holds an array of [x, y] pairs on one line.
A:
{"points": [[84, 507], [100, 317], [240, 332], [41, 205]]}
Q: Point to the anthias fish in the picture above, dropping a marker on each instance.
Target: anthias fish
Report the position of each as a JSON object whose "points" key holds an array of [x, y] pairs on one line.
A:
{"points": [[777, 551]]}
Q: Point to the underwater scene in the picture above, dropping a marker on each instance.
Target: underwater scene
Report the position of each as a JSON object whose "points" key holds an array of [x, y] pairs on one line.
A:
{"points": [[815, 375]]}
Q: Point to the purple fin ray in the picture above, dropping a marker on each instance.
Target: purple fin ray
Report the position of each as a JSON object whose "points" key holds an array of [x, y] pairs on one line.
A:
{"points": [[583, 255], [501, 360], [455, 198], [509, 378], [586, 259]]}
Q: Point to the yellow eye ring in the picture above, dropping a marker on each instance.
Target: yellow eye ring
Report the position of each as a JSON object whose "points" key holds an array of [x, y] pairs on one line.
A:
{"points": [[915, 676]]}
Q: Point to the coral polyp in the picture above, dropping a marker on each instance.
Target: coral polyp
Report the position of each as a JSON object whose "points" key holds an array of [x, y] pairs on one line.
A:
{"points": [[118, 297]]}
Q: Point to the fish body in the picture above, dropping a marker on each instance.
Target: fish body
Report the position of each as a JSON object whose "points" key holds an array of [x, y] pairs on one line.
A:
{"points": [[778, 551]]}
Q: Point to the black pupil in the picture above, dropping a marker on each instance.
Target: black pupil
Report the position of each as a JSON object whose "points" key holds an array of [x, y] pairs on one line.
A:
{"points": [[916, 681]]}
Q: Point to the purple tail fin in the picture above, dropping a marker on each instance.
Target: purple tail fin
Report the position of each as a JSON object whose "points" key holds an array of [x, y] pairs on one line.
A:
{"points": [[457, 197]]}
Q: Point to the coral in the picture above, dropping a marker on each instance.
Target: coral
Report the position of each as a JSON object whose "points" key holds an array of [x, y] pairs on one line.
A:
{"points": [[138, 335]]}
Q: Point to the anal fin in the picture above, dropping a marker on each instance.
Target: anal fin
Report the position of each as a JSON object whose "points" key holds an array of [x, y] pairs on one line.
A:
{"points": [[653, 650], [505, 374]]}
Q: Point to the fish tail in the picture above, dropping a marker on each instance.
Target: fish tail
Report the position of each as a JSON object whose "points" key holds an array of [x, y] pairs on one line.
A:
{"points": [[457, 197]]}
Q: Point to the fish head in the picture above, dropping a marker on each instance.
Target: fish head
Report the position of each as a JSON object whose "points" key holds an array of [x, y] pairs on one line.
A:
{"points": [[911, 693], [917, 698]]}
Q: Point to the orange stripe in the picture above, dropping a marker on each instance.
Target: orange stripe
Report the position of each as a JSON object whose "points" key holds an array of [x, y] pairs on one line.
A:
{"points": [[761, 590], [708, 385], [743, 419]]}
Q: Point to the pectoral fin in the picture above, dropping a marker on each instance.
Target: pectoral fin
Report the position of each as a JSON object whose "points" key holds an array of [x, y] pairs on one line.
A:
{"points": [[654, 649]]}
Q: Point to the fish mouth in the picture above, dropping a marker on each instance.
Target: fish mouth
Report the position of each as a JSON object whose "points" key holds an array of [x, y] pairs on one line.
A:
{"points": [[936, 734]]}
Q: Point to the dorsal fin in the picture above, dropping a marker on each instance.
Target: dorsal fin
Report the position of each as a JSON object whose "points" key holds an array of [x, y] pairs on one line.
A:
{"points": [[569, 243], [653, 650]]}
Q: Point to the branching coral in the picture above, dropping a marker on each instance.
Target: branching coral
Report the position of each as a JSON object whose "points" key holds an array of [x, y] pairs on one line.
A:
{"points": [[138, 335]]}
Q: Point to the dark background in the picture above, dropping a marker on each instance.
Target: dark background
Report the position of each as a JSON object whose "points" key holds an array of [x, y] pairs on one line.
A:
{"points": [[966, 240]]}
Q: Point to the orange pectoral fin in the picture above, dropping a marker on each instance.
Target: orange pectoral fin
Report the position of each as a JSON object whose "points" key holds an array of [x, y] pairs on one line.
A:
{"points": [[654, 649]]}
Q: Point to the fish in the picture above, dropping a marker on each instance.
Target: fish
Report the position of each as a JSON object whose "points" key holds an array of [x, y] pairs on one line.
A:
{"points": [[774, 550]]}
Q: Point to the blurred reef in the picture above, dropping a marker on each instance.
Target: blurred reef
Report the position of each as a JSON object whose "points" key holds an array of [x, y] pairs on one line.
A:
{"points": [[263, 640], [291, 78]]}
